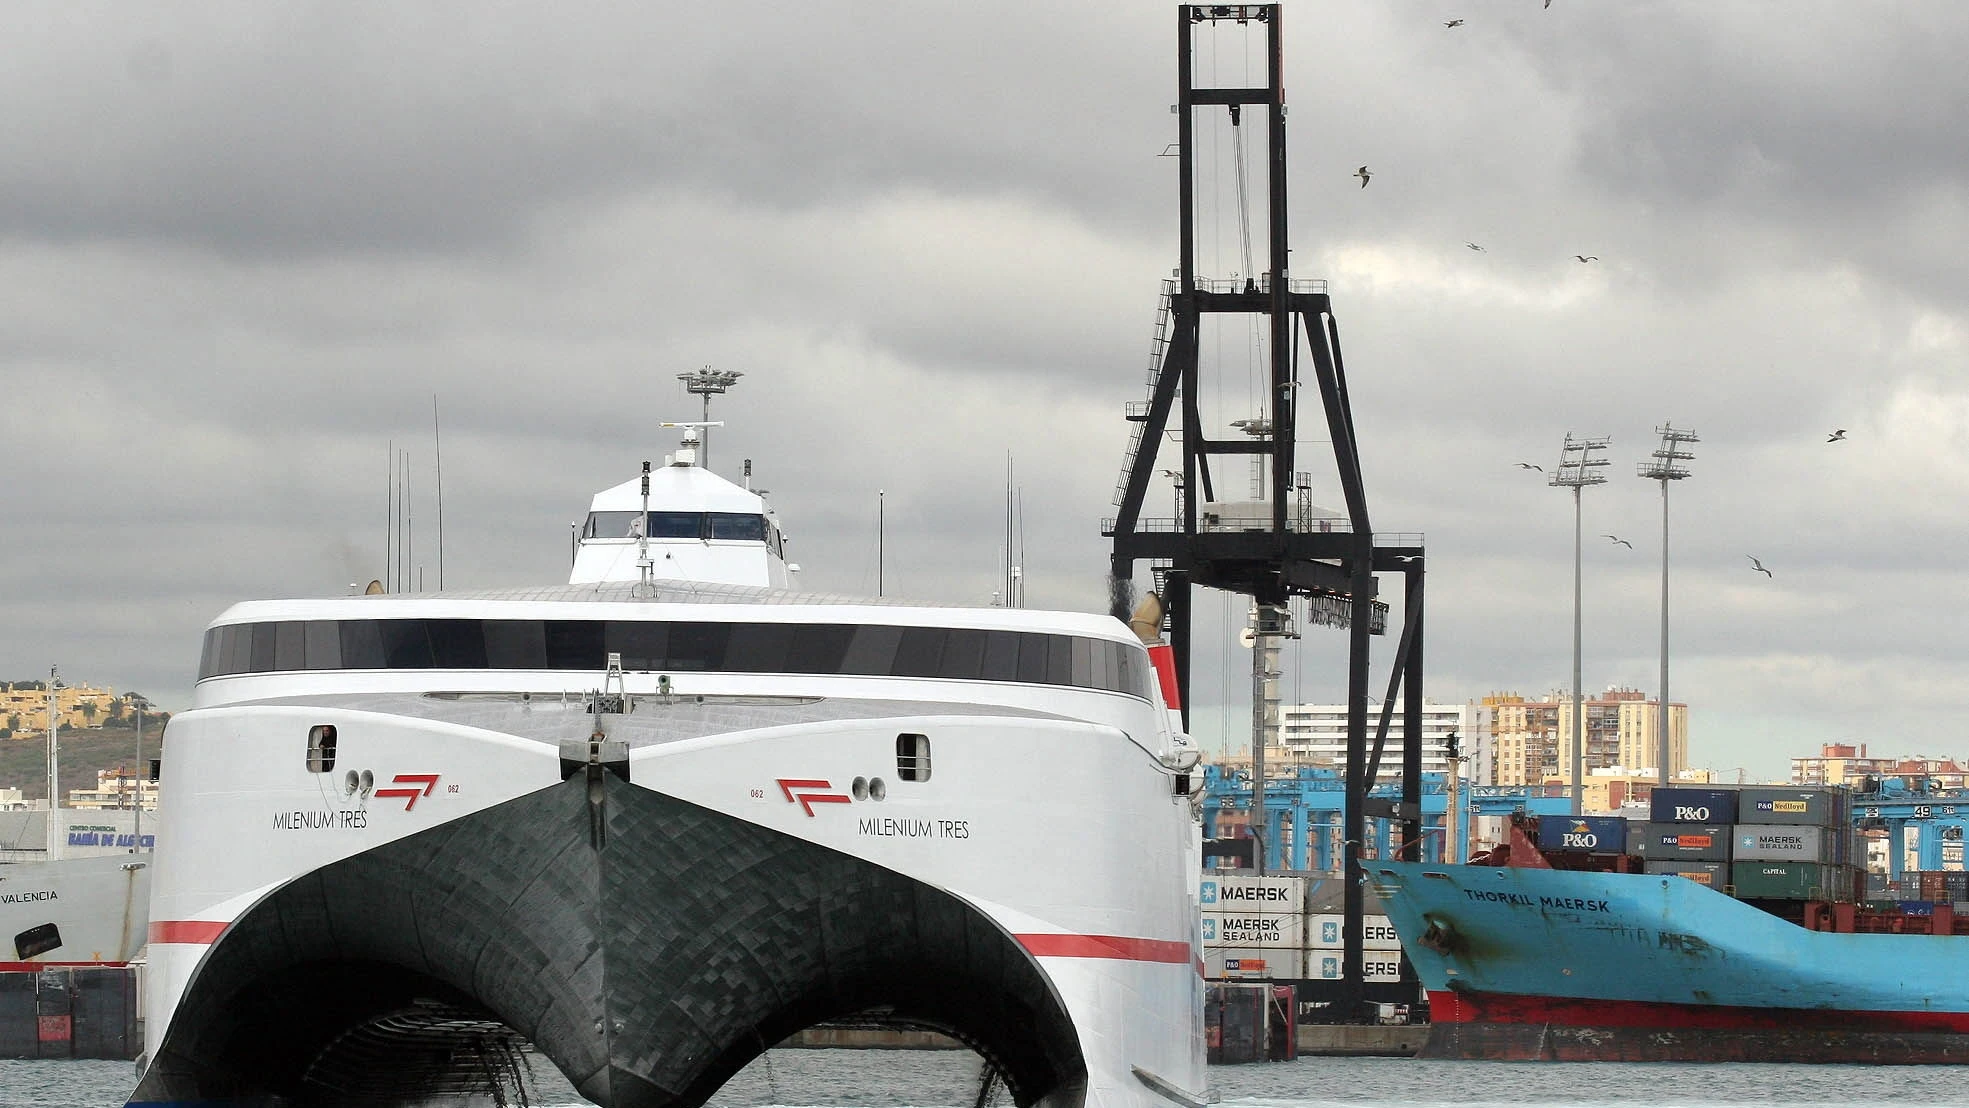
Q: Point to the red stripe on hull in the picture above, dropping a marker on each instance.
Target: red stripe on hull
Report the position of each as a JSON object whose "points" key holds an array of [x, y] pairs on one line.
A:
{"points": [[37, 967], [1106, 946], [196, 932], [1041, 945], [1459, 1007]]}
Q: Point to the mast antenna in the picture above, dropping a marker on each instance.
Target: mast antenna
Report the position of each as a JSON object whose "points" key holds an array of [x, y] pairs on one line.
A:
{"points": [[645, 569], [390, 523], [437, 447]]}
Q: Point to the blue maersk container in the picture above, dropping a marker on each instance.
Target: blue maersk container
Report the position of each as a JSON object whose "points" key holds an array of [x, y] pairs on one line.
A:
{"points": [[1583, 834], [1693, 806]]}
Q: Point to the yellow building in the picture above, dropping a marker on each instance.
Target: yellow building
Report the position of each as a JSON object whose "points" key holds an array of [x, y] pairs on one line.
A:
{"points": [[1620, 733], [1531, 739], [77, 706], [1521, 739]]}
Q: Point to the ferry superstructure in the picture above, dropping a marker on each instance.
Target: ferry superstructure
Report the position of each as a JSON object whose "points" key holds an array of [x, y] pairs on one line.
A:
{"points": [[651, 828], [687, 523]]}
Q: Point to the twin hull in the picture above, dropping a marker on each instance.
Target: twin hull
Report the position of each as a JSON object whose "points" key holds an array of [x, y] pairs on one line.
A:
{"points": [[651, 911], [1534, 963]]}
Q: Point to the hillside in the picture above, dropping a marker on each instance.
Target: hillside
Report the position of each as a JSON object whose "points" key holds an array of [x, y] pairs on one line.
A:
{"points": [[23, 762]]}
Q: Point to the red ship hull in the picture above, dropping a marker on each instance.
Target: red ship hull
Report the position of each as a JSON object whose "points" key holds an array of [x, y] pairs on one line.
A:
{"points": [[1493, 1027]]}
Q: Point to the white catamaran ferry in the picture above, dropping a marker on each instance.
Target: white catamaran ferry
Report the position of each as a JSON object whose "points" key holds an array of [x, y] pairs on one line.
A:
{"points": [[655, 820]]}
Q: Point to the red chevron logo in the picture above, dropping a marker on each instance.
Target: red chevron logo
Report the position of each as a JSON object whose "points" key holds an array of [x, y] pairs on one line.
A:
{"points": [[797, 791], [409, 796]]}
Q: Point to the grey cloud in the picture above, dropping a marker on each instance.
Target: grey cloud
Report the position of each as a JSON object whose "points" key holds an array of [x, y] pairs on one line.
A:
{"points": [[247, 245], [325, 128]]}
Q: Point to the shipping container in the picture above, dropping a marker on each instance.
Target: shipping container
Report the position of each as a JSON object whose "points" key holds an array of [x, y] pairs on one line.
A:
{"points": [[1637, 838], [1819, 807], [1235, 1018], [1780, 842], [1583, 834], [1253, 962], [1323, 932], [1713, 874], [1681, 805], [1687, 842], [1243, 929], [1376, 965], [1792, 881], [1256, 896]]}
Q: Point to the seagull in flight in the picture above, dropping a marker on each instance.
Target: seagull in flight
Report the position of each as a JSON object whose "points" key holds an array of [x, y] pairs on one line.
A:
{"points": [[1583, 259], [1363, 174], [1528, 465], [1475, 247], [1836, 436], [1619, 540], [1454, 23], [1757, 565]]}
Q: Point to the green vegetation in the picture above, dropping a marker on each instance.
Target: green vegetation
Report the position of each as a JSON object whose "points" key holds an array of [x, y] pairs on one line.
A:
{"points": [[24, 761]]}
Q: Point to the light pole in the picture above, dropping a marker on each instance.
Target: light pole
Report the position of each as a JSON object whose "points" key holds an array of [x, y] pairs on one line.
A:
{"points": [[138, 775], [55, 835], [1578, 468], [1453, 819], [708, 382], [1667, 466]]}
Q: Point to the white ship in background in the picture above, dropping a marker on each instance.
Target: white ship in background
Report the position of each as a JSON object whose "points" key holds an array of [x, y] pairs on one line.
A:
{"points": [[655, 820], [74, 885]]}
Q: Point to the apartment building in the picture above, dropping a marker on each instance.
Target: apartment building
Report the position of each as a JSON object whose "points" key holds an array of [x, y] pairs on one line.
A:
{"points": [[1845, 764], [1530, 741], [24, 707], [1316, 734]]}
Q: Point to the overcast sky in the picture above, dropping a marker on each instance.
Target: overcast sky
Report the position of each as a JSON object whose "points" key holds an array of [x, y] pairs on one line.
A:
{"points": [[243, 245]]}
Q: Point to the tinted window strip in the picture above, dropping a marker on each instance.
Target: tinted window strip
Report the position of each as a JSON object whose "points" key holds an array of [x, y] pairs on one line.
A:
{"points": [[869, 650]]}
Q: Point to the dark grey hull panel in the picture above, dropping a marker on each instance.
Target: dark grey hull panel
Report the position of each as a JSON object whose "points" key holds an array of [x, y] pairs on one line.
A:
{"points": [[646, 946]]}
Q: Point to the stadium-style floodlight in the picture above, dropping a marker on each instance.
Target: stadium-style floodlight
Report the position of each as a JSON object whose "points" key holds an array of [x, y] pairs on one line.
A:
{"points": [[1578, 468], [1667, 466], [708, 382]]}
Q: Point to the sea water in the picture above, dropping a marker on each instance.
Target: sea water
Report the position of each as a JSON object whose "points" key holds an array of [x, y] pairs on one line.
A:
{"points": [[949, 1079]]}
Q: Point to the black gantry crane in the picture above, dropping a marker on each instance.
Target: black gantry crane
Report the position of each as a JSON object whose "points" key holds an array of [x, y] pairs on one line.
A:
{"points": [[1275, 556]]}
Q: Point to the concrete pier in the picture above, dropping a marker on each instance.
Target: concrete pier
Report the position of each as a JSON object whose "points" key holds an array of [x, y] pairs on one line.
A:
{"points": [[1362, 1041]]}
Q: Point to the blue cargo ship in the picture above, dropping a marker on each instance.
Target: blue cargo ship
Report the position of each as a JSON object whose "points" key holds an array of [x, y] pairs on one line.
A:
{"points": [[1526, 963]]}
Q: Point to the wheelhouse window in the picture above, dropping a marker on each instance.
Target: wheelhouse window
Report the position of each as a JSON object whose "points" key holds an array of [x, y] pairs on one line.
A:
{"points": [[734, 525], [862, 650], [676, 525], [723, 526]]}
